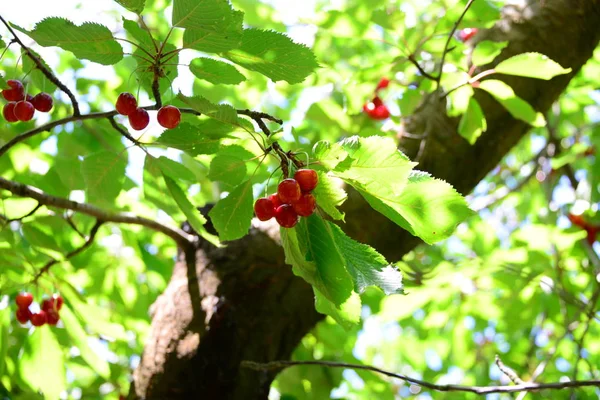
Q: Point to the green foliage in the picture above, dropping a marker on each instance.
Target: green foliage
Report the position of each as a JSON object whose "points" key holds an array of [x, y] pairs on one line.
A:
{"points": [[473, 123], [515, 105], [136, 6], [531, 65], [232, 215], [215, 71]]}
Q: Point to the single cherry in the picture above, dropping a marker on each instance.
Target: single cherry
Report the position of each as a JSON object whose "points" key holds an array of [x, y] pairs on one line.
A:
{"points": [[289, 191], [42, 102], [23, 315], [286, 216], [16, 91], [24, 110], [139, 119], [307, 179], [39, 319], [379, 113], [126, 104], [383, 83], [54, 303], [24, 299], [264, 209], [275, 200], [9, 112], [306, 205], [52, 317], [467, 34], [169, 117]]}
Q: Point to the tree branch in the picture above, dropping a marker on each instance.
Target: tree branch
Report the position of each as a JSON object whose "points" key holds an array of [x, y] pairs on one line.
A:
{"points": [[509, 372], [19, 189], [525, 387]]}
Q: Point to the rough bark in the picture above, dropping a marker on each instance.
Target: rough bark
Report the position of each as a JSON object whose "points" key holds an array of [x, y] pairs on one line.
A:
{"points": [[244, 303]]}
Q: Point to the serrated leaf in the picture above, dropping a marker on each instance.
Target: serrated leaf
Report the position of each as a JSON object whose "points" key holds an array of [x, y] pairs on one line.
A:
{"points": [[330, 195], [195, 218], [136, 6], [89, 41], [329, 155], [220, 112], [227, 169], [232, 215], [79, 338], [204, 138], [216, 72], [210, 41], [104, 174], [141, 36], [273, 55], [37, 77], [486, 51], [374, 165], [473, 122], [515, 105], [531, 65], [428, 208], [174, 169], [41, 365]]}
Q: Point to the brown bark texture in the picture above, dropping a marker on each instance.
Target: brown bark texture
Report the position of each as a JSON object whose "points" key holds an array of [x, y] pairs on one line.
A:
{"points": [[242, 302]]}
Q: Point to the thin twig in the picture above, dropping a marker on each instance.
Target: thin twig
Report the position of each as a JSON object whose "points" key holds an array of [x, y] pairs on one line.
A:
{"points": [[424, 73], [259, 115], [525, 387], [29, 214], [509, 372]]}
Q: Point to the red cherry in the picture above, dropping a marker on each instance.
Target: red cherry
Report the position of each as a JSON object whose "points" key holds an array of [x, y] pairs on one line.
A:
{"points": [[39, 319], [23, 315], [381, 112], [289, 191], [275, 200], [307, 179], [16, 91], [377, 101], [286, 216], [306, 205], [24, 299], [264, 209], [169, 117], [9, 112], [467, 34], [24, 110], [42, 102], [54, 303], [576, 220], [52, 317], [383, 83], [139, 119], [592, 231], [126, 104]]}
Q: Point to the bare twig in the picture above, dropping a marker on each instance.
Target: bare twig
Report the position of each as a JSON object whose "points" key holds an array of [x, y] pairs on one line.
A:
{"points": [[525, 387], [22, 190], [509, 372], [424, 73], [259, 115]]}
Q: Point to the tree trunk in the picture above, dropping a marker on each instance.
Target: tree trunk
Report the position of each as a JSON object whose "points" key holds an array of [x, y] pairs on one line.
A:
{"points": [[242, 302]]}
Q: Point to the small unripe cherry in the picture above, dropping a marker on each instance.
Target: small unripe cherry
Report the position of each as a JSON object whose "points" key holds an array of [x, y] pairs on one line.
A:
{"points": [[126, 104], [42, 102], [16, 91], [52, 317], [286, 216], [24, 299], [168, 117], [306, 205], [275, 200], [307, 179], [39, 319], [23, 315], [264, 209], [24, 110], [139, 119], [9, 112], [289, 191]]}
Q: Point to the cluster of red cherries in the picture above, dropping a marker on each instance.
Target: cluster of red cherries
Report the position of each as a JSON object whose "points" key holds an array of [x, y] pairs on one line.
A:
{"points": [[591, 229], [292, 200], [47, 315], [21, 106], [168, 116], [375, 109]]}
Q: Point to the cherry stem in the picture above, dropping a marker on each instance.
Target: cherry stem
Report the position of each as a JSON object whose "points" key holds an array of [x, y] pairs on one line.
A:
{"points": [[143, 23], [136, 45]]}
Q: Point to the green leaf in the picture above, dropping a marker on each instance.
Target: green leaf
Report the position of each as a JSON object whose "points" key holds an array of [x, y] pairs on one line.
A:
{"points": [[204, 138], [227, 169], [273, 55], [3, 84], [216, 72], [215, 41], [39, 238], [41, 365], [329, 155], [104, 174], [428, 208], [79, 338], [220, 112], [4, 329], [195, 218], [366, 266], [473, 122], [515, 105], [232, 215], [346, 314], [375, 165], [174, 169], [141, 36], [531, 65], [136, 6], [459, 100], [330, 195], [90, 41], [486, 51], [37, 77]]}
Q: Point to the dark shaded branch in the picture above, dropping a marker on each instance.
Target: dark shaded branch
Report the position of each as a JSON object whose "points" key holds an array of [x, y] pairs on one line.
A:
{"points": [[19, 189], [525, 387], [156, 92]]}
